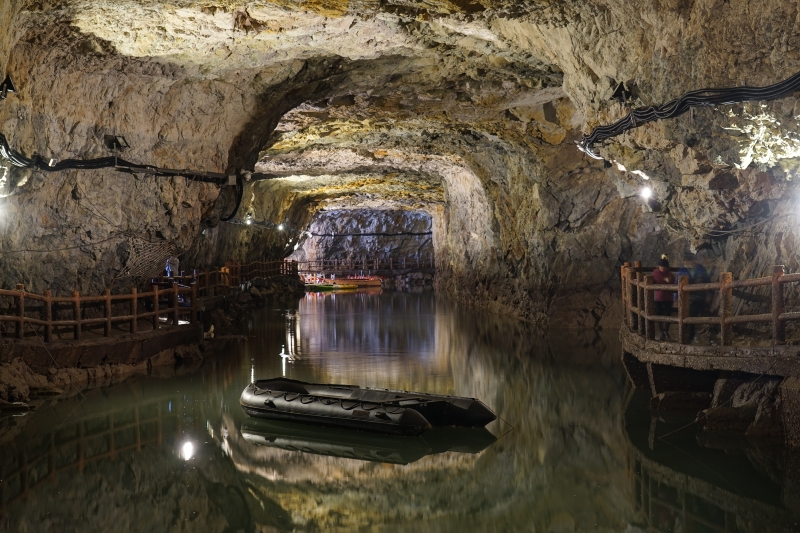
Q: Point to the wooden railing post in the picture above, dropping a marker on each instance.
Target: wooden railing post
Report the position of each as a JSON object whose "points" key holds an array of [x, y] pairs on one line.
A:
{"points": [[725, 308], [107, 312], [637, 265], [48, 316], [778, 325], [76, 315], [134, 309], [156, 322], [649, 308], [623, 281], [194, 302], [174, 298], [640, 300], [683, 309], [19, 300], [633, 320]]}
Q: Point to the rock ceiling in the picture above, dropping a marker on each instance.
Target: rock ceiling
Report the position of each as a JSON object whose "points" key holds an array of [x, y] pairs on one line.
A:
{"points": [[466, 109]]}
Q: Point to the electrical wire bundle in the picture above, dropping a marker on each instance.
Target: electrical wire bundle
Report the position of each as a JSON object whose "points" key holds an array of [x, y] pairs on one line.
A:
{"points": [[37, 162], [679, 106]]}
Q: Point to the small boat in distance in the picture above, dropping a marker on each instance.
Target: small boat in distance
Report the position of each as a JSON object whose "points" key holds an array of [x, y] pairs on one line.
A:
{"points": [[320, 283], [363, 281], [350, 406], [331, 286]]}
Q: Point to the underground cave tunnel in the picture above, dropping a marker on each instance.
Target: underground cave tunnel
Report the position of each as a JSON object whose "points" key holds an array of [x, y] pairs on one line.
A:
{"points": [[580, 216]]}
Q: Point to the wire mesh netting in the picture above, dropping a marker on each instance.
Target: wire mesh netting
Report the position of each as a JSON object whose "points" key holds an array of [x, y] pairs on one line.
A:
{"points": [[147, 259]]}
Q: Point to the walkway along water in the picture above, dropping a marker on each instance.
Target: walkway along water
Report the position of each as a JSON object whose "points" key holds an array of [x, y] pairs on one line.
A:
{"points": [[42, 333], [175, 299], [660, 365]]}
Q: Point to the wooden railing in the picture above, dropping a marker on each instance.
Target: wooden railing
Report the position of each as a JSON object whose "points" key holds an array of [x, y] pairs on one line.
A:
{"points": [[172, 298], [638, 297], [43, 309], [242, 273], [224, 279], [338, 265]]}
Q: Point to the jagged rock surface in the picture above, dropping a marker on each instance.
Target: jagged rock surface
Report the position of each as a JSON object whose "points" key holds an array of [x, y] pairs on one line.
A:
{"points": [[467, 111]]}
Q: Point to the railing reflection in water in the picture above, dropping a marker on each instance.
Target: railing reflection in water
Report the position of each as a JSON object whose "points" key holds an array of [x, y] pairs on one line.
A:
{"points": [[76, 444], [669, 509]]}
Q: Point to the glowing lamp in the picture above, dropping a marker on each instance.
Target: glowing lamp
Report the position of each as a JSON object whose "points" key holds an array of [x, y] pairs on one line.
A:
{"points": [[280, 227], [646, 193], [187, 450]]}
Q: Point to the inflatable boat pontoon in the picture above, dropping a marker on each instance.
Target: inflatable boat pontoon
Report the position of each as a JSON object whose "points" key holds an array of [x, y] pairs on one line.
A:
{"points": [[350, 406]]}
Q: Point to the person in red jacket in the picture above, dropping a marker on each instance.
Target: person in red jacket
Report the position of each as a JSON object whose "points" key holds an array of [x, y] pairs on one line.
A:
{"points": [[662, 275]]}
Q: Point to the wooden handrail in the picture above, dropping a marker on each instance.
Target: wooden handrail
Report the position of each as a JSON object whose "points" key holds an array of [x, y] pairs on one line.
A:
{"points": [[164, 298], [637, 293]]}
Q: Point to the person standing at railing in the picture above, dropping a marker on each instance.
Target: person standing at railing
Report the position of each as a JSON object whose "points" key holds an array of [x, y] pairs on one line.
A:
{"points": [[698, 300], [662, 275], [172, 266]]}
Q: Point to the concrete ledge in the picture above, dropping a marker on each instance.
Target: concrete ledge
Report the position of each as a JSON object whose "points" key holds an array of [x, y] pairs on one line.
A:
{"points": [[770, 360], [123, 349]]}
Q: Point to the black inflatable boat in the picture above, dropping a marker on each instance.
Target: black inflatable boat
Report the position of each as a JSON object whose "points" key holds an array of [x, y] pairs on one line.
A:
{"points": [[350, 406], [339, 442]]}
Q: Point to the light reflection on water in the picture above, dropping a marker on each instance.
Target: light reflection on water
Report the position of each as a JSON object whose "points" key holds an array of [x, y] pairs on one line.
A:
{"points": [[169, 455]]}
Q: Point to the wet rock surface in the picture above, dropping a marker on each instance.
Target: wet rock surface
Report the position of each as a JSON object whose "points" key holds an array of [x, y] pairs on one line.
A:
{"points": [[228, 312], [412, 281], [357, 235], [20, 383]]}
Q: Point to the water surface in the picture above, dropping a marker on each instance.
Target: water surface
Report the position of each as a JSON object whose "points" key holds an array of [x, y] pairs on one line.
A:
{"points": [[576, 449]]}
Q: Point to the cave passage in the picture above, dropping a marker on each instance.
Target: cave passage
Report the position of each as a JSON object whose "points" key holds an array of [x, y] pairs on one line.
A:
{"points": [[198, 194]]}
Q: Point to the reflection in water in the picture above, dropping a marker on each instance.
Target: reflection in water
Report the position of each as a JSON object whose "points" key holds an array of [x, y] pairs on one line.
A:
{"points": [[119, 459], [685, 480], [364, 446]]}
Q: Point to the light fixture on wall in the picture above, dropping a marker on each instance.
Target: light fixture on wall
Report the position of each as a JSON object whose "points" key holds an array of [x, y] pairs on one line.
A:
{"points": [[7, 87], [646, 193], [280, 227]]}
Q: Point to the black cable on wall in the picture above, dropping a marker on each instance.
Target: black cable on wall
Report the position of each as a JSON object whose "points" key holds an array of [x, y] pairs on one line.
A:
{"points": [[679, 106], [37, 162]]}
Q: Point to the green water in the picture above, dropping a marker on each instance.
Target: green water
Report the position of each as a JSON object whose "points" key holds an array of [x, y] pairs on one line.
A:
{"points": [[576, 449]]}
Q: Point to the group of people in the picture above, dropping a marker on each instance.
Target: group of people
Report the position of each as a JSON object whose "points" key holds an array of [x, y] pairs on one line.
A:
{"points": [[667, 300]]}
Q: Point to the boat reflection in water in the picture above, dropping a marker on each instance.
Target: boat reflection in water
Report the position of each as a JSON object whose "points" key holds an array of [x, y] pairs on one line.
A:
{"points": [[349, 444]]}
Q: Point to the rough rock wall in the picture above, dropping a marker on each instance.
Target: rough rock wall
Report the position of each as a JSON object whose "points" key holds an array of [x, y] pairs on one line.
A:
{"points": [[479, 103], [351, 234]]}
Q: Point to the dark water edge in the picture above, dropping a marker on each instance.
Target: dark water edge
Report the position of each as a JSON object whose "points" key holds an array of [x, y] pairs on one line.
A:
{"points": [[578, 450]]}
